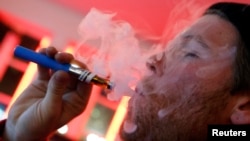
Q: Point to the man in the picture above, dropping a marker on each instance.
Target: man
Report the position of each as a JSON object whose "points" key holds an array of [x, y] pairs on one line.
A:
{"points": [[201, 78]]}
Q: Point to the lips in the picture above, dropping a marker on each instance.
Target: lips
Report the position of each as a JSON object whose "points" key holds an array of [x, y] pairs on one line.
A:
{"points": [[139, 90], [136, 96]]}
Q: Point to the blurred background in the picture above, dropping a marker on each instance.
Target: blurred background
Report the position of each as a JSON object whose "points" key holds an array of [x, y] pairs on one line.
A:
{"points": [[41, 23]]}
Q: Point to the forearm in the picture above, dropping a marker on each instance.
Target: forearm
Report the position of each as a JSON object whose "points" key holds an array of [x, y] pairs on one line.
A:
{"points": [[7, 134]]}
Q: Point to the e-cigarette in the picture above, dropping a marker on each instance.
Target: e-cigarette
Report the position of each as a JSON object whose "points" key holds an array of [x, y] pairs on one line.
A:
{"points": [[43, 60]]}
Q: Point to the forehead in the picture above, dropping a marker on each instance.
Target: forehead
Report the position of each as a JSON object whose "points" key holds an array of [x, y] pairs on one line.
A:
{"points": [[215, 31]]}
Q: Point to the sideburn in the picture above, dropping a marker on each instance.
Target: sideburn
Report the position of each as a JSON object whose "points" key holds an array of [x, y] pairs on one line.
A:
{"points": [[242, 69]]}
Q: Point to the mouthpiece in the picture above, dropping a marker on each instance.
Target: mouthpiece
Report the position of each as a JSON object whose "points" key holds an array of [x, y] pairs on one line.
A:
{"points": [[74, 68]]}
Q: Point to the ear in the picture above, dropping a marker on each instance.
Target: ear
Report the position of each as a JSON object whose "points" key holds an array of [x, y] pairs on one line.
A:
{"points": [[241, 111]]}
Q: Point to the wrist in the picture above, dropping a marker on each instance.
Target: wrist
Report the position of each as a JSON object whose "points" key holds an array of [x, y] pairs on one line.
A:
{"points": [[11, 134]]}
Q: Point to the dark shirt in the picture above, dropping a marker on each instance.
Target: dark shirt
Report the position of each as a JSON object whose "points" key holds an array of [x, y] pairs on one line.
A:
{"points": [[2, 125]]}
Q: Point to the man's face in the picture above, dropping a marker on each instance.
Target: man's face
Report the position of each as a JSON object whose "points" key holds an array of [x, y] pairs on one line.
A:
{"points": [[189, 86]]}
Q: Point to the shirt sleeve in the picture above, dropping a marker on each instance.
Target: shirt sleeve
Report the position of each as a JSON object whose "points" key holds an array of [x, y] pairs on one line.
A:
{"points": [[2, 126]]}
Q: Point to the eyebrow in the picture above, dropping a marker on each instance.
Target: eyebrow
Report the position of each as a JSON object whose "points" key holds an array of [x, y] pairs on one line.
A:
{"points": [[200, 40], [197, 38]]}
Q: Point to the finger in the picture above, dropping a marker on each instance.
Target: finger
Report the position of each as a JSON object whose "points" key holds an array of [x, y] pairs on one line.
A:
{"points": [[51, 52], [43, 72], [84, 90], [63, 57], [42, 50], [56, 88]]}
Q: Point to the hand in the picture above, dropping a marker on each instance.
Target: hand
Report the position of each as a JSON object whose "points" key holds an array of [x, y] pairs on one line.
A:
{"points": [[49, 102]]}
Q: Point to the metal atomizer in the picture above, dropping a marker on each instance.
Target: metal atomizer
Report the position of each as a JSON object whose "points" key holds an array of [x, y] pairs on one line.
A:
{"points": [[74, 67]]}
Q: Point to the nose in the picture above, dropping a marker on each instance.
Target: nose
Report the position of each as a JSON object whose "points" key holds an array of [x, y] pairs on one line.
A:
{"points": [[156, 63]]}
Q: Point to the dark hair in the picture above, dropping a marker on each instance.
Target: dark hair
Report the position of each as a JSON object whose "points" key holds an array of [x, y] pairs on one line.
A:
{"points": [[242, 61], [242, 69]]}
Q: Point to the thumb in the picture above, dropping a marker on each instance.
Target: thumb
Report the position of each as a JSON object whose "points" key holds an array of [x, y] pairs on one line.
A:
{"points": [[56, 88]]}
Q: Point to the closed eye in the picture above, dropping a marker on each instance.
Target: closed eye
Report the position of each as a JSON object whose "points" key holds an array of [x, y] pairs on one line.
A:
{"points": [[192, 55]]}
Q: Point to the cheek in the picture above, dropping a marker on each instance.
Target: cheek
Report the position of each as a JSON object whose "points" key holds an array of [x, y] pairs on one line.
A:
{"points": [[215, 74], [206, 78], [206, 72]]}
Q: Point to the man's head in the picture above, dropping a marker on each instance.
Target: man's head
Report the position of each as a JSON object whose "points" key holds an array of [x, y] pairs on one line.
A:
{"points": [[239, 15], [196, 81]]}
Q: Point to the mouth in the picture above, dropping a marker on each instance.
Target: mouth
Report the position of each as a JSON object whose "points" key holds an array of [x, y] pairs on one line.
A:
{"points": [[139, 90], [137, 95]]}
